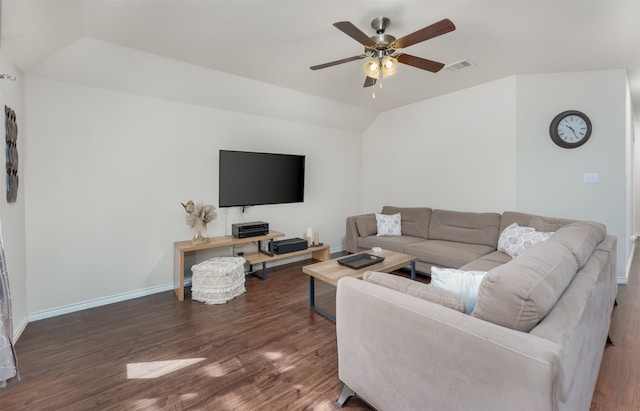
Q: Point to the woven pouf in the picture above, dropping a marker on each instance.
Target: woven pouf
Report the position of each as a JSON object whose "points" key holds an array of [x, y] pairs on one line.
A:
{"points": [[218, 280]]}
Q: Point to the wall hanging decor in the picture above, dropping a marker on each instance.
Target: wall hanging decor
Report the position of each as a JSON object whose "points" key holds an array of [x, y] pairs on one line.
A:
{"points": [[11, 127]]}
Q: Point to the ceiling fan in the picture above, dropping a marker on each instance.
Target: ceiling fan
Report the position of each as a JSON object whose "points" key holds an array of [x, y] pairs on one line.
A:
{"points": [[383, 48]]}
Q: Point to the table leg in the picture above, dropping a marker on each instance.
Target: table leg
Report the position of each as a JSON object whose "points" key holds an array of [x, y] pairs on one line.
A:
{"points": [[312, 301], [263, 274], [413, 270], [178, 273]]}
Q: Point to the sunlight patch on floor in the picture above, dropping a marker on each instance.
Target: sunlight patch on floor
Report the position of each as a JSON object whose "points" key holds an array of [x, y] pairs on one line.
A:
{"points": [[155, 369], [274, 356], [156, 403], [220, 369], [214, 370]]}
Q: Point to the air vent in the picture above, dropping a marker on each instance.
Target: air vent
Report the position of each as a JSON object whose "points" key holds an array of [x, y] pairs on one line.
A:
{"points": [[459, 65]]}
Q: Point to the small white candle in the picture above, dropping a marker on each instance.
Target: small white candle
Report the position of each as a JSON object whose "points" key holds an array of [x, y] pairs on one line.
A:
{"points": [[309, 232]]}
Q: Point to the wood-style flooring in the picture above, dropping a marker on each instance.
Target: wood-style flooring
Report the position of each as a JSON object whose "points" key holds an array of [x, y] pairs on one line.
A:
{"points": [[264, 350]]}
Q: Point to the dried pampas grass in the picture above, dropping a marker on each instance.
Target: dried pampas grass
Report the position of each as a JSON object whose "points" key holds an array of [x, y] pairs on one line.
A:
{"points": [[197, 218]]}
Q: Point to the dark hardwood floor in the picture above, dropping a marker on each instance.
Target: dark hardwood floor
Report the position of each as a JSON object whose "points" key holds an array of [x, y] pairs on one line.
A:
{"points": [[264, 350], [618, 386]]}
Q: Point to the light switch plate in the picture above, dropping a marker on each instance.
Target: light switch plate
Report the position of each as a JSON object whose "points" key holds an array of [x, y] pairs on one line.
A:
{"points": [[591, 177]]}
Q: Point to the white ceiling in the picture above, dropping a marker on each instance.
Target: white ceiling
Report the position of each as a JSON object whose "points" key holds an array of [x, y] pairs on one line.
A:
{"points": [[276, 41]]}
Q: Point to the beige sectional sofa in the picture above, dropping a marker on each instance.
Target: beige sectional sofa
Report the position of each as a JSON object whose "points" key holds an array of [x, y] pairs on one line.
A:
{"points": [[533, 342]]}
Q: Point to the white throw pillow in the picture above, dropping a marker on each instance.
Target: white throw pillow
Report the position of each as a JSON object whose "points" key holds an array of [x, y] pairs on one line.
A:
{"points": [[515, 239], [389, 224], [464, 284]]}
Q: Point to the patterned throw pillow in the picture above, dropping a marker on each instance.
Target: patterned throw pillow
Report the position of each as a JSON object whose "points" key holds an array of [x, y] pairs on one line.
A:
{"points": [[389, 225], [515, 239]]}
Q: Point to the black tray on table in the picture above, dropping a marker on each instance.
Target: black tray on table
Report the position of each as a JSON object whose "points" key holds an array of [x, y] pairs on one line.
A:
{"points": [[360, 260]]}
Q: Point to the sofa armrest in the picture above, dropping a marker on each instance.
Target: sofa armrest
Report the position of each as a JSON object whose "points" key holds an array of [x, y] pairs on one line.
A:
{"points": [[609, 246], [400, 352], [416, 289], [352, 233]]}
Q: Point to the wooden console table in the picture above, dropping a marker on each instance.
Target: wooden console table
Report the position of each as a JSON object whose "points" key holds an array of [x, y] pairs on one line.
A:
{"points": [[180, 248], [320, 253]]}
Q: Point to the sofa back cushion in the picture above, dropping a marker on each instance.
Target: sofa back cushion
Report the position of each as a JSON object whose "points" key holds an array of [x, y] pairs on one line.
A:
{"points": [[415, 220], [366, 225], [581, 238], [465, 227], [536, 222], [520, 293], [415, 288]]}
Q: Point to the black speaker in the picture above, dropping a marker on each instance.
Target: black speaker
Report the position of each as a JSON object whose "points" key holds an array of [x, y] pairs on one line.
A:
{"points": [[290, 245]]}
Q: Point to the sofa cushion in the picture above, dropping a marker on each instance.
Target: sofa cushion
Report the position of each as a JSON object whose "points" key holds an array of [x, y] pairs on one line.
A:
{"points": [[487, 262], [415, 220], [366, 225], [388, 224], [539, 223], [581, 238], [515, 239], [520, 293], [464, 284], [397, 243], [465, 227], [446, 253], [421, 290]]}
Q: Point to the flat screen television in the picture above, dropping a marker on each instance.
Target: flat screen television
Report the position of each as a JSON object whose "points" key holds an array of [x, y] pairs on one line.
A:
{"points": [[250, 178]]}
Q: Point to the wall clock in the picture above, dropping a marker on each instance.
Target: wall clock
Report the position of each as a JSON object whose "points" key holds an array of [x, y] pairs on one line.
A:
{"points": [[570, 129]]}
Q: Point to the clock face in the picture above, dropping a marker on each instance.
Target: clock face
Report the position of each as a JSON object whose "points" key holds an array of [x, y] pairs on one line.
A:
{"points": [[570, 129]]}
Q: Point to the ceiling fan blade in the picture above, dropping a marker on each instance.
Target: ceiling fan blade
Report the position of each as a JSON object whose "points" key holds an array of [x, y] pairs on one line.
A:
{"points": [[355, 33], [426, 33], [368, 81], [420, 63], [335, 63]]}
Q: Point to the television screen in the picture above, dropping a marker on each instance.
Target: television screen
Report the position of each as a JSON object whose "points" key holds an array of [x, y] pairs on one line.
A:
{"points": [[249, 178]]}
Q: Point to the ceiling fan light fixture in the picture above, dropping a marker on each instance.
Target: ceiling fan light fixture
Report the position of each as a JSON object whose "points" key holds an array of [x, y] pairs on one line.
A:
{"points": [[389, 66], [371, 68]]}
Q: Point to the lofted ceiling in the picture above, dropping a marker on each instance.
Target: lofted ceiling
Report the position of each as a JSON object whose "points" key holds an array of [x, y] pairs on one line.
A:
{"points": [[275, 42]]}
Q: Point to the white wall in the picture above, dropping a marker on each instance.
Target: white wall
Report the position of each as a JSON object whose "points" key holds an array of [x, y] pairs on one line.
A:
{"points": [[453, 152], [630, 179], [550, 178], [636, 180], [487, 148], [107, 171], [107, 66], [108, 167], [12, 215]]}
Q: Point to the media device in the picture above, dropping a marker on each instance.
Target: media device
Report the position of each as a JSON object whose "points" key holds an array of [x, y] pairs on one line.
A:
{"points": [[252, 229], [251, 178], [289, 245]]}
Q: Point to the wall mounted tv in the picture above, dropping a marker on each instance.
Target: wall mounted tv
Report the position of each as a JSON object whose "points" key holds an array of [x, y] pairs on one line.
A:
{"points": [[249, 178]]}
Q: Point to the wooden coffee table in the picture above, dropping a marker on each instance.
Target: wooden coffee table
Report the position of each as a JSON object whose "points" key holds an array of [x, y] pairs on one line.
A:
{"points": [[330, 272]]}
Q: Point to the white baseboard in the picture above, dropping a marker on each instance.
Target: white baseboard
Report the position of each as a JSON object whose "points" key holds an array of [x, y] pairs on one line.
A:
{"points": [[17, 331], [625, 279], [41, 315]]}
